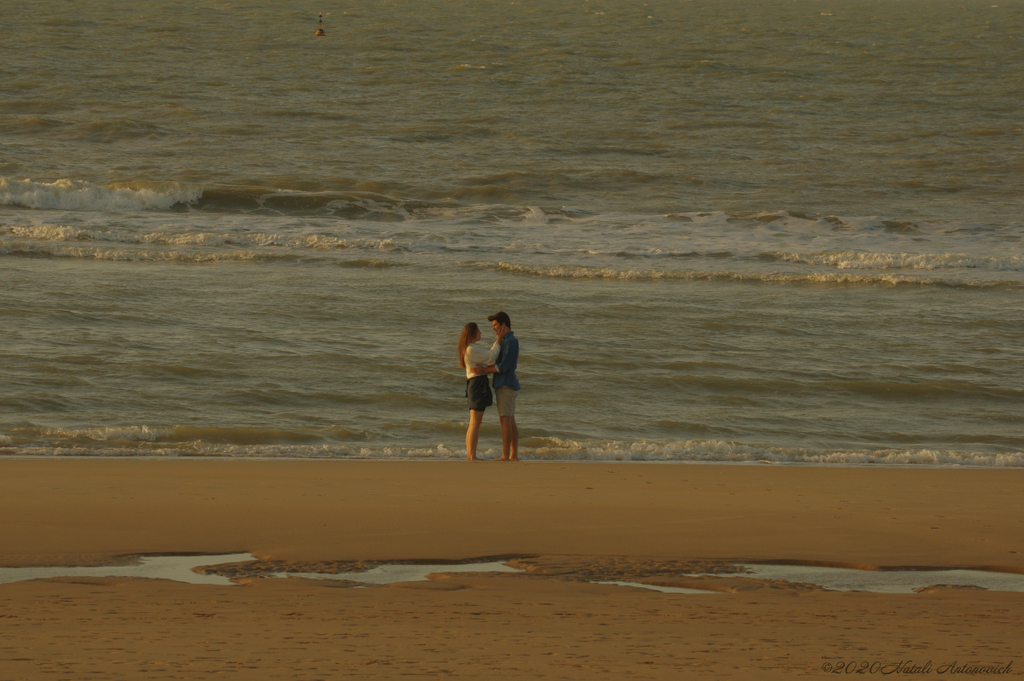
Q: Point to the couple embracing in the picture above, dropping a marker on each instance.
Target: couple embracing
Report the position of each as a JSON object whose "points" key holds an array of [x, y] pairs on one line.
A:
{"points": [[500, 360]]}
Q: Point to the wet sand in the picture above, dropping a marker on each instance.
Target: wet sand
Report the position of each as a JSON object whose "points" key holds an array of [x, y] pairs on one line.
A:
{"points": [[567, 523]]}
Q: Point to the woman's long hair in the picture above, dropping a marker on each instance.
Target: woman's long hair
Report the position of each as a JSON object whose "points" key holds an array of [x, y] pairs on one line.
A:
{"points": [[469, 332]]}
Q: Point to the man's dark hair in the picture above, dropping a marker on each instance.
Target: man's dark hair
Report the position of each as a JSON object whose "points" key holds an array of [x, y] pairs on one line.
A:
{"points": [[502, 318]]}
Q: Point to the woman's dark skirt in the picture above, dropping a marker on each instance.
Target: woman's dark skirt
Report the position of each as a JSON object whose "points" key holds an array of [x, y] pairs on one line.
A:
{"points": [[478, 393]]}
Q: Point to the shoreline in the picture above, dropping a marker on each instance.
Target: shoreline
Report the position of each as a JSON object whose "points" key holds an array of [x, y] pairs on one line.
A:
{"points": [[424, 460]]}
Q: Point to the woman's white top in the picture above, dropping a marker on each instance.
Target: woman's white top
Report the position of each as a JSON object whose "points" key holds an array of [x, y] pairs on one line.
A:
{"points": [[476, 356]]}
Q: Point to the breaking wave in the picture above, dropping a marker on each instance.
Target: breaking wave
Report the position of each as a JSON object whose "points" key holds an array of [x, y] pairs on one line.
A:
{"points": [[856, 260], [68, 194], [61, 241]]}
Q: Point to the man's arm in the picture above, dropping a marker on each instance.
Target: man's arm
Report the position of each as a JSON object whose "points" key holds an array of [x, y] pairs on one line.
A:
{"points": [[493, 368]]}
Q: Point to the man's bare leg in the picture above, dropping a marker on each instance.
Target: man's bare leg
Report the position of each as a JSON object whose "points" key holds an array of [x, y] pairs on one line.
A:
{"points": [[514, 453], [509, 439]]}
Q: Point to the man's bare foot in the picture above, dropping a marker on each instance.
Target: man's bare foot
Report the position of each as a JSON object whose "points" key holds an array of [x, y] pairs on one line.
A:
{"points": [[472, 458], [513, 458]]}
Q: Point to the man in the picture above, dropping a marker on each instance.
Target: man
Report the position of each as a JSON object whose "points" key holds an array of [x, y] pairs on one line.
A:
{"points": [[505, 384]]}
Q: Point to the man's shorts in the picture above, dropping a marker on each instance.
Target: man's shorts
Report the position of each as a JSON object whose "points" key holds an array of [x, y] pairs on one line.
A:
{"points": [[506, 399]]}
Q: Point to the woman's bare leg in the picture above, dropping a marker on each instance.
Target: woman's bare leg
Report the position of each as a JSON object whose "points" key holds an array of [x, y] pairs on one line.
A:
{"points": [[473, 433]]}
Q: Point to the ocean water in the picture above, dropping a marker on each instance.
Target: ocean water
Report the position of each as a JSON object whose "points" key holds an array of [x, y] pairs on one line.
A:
{"points": [[786, 231]]}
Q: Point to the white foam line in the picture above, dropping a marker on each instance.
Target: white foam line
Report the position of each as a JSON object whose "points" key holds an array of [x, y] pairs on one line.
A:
{"points": [[662, 589], [175, 568], [881, 581], [390, 574]]}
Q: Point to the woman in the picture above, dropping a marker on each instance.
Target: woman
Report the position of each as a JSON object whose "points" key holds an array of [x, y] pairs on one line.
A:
{"points": [[478, 391]]}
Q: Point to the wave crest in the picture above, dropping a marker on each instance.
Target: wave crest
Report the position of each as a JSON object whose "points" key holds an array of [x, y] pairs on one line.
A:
{"points": [[65, 194], [585, 272]]}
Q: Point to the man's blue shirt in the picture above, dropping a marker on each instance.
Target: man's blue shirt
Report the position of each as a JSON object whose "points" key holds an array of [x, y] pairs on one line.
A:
{"points": [[506, 363]]}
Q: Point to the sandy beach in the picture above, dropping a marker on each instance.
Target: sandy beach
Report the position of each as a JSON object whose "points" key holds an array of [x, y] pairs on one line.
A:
{"points": [[567, 525], [765, 261]]}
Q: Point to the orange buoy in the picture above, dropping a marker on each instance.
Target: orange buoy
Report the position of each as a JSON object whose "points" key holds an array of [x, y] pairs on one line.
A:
{"points": [[320, 26]]}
